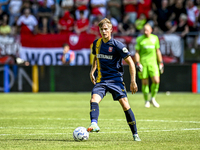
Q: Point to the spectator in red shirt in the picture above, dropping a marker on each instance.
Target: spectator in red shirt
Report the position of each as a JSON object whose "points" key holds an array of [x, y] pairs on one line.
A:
{"points": [[66, 23], [130, 9], [81, 25], [81, 5], [144, 6], [94, 29]]}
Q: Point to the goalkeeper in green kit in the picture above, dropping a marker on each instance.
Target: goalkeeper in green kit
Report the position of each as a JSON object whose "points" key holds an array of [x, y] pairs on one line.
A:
{"points": [[149, 63]]}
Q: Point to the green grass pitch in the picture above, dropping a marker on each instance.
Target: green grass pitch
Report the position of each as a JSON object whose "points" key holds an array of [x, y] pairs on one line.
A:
{"points": [[45, 121]]}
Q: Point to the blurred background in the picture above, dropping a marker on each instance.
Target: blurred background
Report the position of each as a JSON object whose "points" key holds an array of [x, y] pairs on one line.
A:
{"points": [[32, 34]]}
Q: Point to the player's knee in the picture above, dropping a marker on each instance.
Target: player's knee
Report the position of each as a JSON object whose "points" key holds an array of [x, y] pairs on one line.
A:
{"points": [[95, 98], [124, 103], [145, 81], [157, 81]]}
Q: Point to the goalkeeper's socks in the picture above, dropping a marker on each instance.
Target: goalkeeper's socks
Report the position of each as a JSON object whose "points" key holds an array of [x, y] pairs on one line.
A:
{"points": [[94, 112], [154, 89], [130, 118], [145, 91]]}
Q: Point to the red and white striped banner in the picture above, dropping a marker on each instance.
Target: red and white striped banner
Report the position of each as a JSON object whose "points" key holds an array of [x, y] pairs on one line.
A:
{"points": [[47, 49]]}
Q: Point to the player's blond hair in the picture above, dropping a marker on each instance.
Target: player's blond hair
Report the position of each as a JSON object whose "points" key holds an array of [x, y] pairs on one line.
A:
{"points": [[105, 20], [148, 25]]}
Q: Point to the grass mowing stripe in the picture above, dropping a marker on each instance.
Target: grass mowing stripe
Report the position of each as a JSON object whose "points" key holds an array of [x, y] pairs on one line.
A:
{"points": [[170, 130], [178, 121]]}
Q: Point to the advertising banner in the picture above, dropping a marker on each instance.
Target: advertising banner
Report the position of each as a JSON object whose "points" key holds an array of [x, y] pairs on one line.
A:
{"points": [[9, 49], [47, 49]]}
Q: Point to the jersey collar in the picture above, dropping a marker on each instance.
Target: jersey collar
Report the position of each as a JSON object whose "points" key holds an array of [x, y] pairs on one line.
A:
{"points": [[110, 42]]}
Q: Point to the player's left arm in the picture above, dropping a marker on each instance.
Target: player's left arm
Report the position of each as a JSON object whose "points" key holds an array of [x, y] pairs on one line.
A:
{"points": [[133, 85], [159, 56], [160, 61]]}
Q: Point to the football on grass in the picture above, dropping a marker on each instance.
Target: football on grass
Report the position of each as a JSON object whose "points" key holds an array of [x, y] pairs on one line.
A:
{"points": [[80, 134]]}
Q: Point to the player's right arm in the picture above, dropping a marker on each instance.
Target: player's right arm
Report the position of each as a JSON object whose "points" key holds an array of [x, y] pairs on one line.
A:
{"points": [[93, 68], [137, 57]]}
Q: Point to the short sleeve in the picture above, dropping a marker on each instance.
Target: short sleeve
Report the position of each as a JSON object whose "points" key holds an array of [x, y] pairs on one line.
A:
{"points": [[123, 51], [137, 45], [157, 46]]}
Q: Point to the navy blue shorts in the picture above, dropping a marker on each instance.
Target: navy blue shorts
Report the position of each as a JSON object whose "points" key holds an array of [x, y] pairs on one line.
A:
{"points": [[117, 89]]}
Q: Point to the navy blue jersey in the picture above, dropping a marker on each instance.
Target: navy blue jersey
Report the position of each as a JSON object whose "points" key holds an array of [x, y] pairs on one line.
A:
{"points": [[109, 60]]}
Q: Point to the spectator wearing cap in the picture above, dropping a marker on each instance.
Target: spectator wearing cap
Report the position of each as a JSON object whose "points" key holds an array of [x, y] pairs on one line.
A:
{"points": [[81, 5]]}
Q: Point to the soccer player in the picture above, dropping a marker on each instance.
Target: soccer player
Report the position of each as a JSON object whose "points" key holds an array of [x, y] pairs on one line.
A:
{"points": [[108, 62], [148, 63]]}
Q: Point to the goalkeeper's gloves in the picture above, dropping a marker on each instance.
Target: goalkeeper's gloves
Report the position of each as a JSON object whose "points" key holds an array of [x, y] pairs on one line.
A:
{"points": [[161, 67], [139, 66]]}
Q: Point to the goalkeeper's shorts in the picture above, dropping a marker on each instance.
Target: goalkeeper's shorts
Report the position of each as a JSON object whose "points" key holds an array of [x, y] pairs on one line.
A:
{"points": [[149, 70]]}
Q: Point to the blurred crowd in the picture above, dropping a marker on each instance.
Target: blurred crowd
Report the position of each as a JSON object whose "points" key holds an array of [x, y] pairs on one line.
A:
{"points": [[82, 16]]}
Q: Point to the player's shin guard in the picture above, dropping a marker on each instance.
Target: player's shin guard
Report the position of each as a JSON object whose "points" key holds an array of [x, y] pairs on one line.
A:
{"points": [[154, 89], [94, 112], [131, 120], [145, 91]]}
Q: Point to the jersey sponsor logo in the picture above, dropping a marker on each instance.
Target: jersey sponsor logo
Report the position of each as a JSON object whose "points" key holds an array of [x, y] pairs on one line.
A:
{"points": [[125, 50], [149, 46], [104, 56], [110, 49]]}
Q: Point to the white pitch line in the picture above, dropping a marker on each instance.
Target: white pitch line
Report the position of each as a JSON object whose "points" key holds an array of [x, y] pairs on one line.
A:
{"points": [[170, 130], [178, 121], [35, 128]]}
